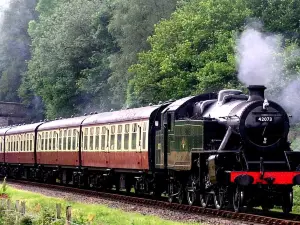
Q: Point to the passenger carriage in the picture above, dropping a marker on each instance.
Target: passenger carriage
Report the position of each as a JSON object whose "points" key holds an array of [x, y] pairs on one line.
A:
{"points": [[19, 145], [117, 140], [58, 143]]}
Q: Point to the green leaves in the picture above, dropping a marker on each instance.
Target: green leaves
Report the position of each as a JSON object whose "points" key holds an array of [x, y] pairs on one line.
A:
{"points": [[192, 52], [132, 23], [93, 55], [70, 46]]}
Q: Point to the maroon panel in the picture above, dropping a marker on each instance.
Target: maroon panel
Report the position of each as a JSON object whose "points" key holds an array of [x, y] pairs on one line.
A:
{"points": [[120, 160], [11, 157], [49, 158], [95, 159], [145, 160], [26, 157], [68, 158], [1, 157], [65, 158]]}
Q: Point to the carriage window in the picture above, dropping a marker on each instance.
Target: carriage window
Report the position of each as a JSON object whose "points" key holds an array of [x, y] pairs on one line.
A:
{"points": [[50, 140], [103, 131], [97, 138], [24, 142], [91, 138], [31, 140], [60, 140], [65, 140], [133, 137], [46, 141], [22, 146], [21, 143], [119, 138], [74, 139], [144, 135], [12, 143], [27, 142], [85, 140], [16, 141], [42, 147], [69, 139], [54, 140], [112, 137], [126, 137]]}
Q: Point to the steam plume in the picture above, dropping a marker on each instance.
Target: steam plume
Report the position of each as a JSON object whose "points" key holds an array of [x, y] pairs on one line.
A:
{"points": [[259, 57], [3, 6], [262, 59]]}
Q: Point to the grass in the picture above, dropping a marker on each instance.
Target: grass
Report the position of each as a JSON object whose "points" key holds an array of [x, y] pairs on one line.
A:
{"points": [[296, 208], [92, 213]]}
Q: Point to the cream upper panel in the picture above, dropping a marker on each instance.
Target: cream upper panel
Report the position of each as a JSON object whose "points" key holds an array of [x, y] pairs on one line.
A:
{"points": [[23, 142], [58, 140], [131, 136]]}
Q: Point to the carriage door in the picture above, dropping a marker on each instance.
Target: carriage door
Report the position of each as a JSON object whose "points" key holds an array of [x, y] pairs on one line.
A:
{"points": [[107, 145], [139, 144], [159, 153], [162, 142]]}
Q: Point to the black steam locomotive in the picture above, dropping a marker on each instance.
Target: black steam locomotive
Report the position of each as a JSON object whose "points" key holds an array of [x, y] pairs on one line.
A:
{"points": [[227, 149], [234, 150]]}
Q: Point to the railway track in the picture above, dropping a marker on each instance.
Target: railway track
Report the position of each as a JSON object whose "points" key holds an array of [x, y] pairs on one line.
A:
{"points": [[273, 218]]}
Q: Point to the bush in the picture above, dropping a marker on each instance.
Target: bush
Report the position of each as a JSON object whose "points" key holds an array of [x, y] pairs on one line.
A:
{"points": [[26, 221], [46, 217], [4, 186]]}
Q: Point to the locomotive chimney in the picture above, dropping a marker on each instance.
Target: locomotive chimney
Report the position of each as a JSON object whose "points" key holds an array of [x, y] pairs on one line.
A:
{"points": [[256, 92]]}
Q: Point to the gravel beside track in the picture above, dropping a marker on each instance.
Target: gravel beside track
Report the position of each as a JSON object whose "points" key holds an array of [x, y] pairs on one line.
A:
{"points": [[142, 209]]}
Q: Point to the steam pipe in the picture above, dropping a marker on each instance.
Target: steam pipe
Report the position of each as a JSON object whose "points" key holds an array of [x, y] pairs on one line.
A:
{"points": [[225, 139]]}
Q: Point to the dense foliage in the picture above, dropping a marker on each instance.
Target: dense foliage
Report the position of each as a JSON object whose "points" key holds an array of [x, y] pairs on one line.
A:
{"points": [[70, 57], [194, 50]]}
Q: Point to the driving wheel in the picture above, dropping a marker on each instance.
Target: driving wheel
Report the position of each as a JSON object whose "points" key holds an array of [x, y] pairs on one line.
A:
{"points": [[218, 199], [238, 197]]}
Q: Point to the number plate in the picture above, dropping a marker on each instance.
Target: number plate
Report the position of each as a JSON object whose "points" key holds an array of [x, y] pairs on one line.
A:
{"points": [[264, 119]]}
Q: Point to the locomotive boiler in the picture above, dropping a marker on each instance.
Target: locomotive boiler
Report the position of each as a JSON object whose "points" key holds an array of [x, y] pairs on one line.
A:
{"points": [[225, 149], [235, 149]]}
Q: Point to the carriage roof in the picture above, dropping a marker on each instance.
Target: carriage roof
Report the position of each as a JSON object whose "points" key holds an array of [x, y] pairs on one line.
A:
{"points": [[23, 129], [121, 115], [63, 123]]}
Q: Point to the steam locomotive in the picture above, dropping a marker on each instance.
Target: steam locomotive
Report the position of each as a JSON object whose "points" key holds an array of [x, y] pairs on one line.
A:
{"points": [[223, 150]]}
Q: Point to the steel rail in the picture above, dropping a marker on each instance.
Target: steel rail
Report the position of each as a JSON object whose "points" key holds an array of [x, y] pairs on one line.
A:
{"points": [[245, 217]]}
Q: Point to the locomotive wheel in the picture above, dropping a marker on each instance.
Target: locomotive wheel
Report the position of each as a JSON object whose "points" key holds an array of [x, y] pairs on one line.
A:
{"points": [[191, 197], [287, 203], [171, 192], [181, 194], [191, 191], [238, 197], [204, 198], [218, 199]]}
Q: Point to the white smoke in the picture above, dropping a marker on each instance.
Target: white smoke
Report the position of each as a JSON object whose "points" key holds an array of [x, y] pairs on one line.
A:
{"points": [[259, 57], [4, 4], [262, 59], [290, 100]]}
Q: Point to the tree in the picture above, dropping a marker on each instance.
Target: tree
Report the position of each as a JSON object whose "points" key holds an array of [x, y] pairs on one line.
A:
{"points": [[132, 22], [191, 52], [14, 46], [69, 47]]}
